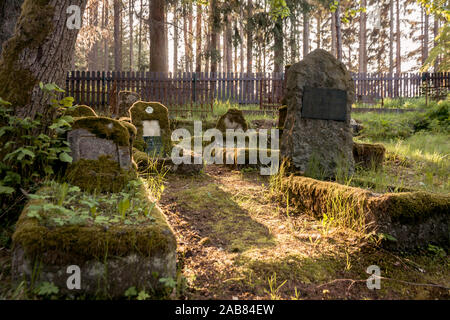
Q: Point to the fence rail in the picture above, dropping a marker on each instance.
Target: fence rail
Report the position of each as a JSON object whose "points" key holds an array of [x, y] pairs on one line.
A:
{"points": [[97, 89]]}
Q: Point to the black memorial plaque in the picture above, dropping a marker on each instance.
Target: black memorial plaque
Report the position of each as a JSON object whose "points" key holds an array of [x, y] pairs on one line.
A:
{"points": [[324, 104]]}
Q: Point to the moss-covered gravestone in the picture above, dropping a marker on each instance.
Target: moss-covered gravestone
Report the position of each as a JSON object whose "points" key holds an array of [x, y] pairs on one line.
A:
{"points": [[317, 132], [101, 152], [64, 233], [126, 100], [153, 130], [232, 119]]}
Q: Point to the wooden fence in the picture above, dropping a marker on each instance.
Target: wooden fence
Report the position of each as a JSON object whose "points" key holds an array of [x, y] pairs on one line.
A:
{"points": [[199, 90]]}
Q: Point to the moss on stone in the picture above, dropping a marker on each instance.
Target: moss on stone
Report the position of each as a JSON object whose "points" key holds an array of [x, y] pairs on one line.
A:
{"points": [[125, 119], [233, 115], [68, 243], [105, 128], [369, 156], [160, 113], [102, 175], [81, 111], [282, 113], [410, 215], [33, 26]]}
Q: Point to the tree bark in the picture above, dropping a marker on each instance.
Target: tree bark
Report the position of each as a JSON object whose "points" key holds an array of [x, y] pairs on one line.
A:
{"points": [[362, 59], [278, 52], [435, 34], [333, 34], [391, 36], [426, 29], [249, 37], [41, 50], [399, 57], [105, 13], [198, 40], [175, 37], [140, 39], [215, 28], [9, 13], [228, 45], [117, 55], [131, 13], [338, 32], [158, 37], [305, 33]]}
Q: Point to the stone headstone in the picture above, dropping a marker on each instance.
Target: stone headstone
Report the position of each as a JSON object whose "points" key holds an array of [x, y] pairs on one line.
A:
{"points": [[126, 100], [153, 130], [86, 144], [232, 119], [102, 156], [319, 97]]}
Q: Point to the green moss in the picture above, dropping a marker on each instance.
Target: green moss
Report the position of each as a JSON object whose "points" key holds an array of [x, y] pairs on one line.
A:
{"points": [[125, 119], [86, 242], [102, 175], [81, 111], [105, 128], [318, 197], [233, 115], [228, 223], [145, 162], [33, 26], [160, 113]]}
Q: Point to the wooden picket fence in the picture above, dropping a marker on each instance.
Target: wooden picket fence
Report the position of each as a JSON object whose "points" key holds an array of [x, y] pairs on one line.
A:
{"points": [[196, 92]]}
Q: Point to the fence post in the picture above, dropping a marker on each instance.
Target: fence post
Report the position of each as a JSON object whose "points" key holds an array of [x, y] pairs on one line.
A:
{"points": [[194, 81]]}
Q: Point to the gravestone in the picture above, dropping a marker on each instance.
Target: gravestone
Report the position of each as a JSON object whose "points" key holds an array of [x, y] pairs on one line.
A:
{"points": [[126, 100], [153, 130], [232, 119], [101, 153], [317, 131]]}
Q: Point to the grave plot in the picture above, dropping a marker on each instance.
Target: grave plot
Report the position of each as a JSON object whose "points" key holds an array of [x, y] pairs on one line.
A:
{"points": [[153, 144], [103, 220], [317, 142]]}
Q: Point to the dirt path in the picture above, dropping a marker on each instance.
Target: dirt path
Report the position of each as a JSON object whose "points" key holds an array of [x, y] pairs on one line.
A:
{"points": [[235, 242]]}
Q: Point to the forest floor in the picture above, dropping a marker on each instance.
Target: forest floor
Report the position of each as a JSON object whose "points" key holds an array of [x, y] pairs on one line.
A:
{"points": [[236, 242]]}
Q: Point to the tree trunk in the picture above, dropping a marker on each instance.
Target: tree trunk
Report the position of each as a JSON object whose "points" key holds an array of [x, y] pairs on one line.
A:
{"points": [[242, 36], [9, 13], [105, 13], [140, 40], [117, 55], [158, 37], [362, 60], [319, 30], [391, 36], [190, 37], [215, 28], [249, 37], [198, 40], [131, 13], [175, 38], [305, 33], [333, 34], [41, 39], [185, 38], [338, 32], [93, 52], [398, 42], [435, 34], [426, 29], [228, 45], [278, 52]]}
